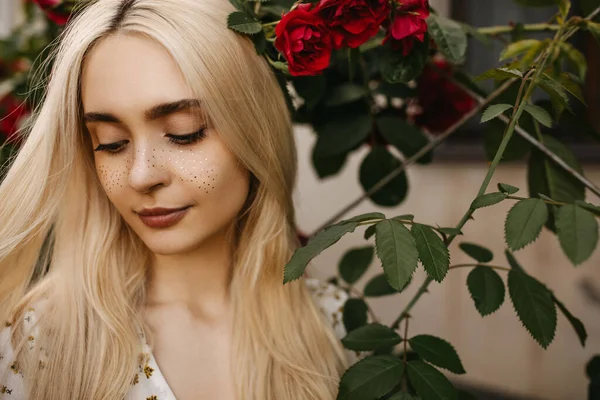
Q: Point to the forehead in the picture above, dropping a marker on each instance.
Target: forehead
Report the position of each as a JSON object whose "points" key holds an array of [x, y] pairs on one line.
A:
{"points": [[130, 73]]}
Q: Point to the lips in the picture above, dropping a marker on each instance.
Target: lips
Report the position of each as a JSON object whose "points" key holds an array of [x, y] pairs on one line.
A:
{"points": [[160, 211], [164, 220]]}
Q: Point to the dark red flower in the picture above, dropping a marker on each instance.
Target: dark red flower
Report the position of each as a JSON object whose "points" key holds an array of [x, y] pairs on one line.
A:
{"points": [[56, 10], [12, 112], [353, 22], [304, 40], [407, 25], [442, 103], [302, 238]]}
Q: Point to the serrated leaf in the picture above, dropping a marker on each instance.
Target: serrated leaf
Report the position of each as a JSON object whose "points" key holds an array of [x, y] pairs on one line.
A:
{"points": [[378, 286], [430, 383], [405, 217], [574, 321], [488, 199], [437, 351], [405, 137], [508, 189], [340, 134], [433, 253], [354, 314], [575, 57], [512, 261], [403, 396], [577, 231], [355, 263], [534, 306], [567, 83], [524, 222], [395, 67], [545, 177], [477, 252], [370, 378], [531, 55], [243, 23], [516, 48], [364, 217], [486, 288], [499, 74], [539, 114], [322, 240], [558, 97], [371, 337], [397, 250], [493, 111], [449, 36], [590, 207]]}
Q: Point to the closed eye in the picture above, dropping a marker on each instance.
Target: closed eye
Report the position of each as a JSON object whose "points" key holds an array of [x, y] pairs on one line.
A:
{"points": [[117, 147]]}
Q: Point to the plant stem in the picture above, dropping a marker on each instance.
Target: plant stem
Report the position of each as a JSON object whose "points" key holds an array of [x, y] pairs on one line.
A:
{"points": [[495, 30], [507, 136], [424, 150], [273, 23], [555, 203], [479, 265]]}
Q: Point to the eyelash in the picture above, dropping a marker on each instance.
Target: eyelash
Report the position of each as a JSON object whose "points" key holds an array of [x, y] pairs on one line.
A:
{"points": [[181, 140]]}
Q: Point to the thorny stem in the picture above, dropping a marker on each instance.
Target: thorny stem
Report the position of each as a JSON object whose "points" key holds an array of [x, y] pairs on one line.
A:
{"points": [[507, 135], [405, 353]]}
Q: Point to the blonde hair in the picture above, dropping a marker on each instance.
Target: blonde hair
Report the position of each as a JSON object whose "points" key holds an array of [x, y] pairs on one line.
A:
{"points": [[63, 241]]}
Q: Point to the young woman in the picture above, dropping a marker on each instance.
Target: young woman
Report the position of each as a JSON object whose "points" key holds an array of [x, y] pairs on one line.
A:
{"points": [[146, 221]]}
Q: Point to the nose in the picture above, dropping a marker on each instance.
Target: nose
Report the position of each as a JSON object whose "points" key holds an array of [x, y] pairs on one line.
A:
{"points": [[147, 170]]}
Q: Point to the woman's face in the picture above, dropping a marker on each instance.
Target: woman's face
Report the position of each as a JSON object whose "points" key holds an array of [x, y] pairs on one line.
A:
{"points": [[148, 156]]}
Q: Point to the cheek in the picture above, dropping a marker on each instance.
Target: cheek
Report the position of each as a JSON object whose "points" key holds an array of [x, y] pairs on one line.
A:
{"points": [[113, 178], [197, 168]]}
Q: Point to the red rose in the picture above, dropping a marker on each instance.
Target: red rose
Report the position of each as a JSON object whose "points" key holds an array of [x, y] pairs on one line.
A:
{"points": [[47, 3], [353, 22], [56, 10], [12, 112], [304, 40], [442, 103], [408, 23]]}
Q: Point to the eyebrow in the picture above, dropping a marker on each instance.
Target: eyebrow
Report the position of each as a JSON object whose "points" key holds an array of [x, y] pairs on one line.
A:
{"points": [[154, 113]]}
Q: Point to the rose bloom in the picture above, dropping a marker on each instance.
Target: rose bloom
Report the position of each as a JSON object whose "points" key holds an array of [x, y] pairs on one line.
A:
{"points": [[304, 40], [12, 113], [407, 25], [353, 22], [52, 10], [442, 103]]}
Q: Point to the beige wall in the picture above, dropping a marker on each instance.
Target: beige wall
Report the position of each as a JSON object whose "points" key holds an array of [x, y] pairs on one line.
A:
{"points": [[496, 351]]}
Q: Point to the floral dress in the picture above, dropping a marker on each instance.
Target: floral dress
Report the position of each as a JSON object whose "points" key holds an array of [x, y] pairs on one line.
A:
{"points": [[149, 383]]}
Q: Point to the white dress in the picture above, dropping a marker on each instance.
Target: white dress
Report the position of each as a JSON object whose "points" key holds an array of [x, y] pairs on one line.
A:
{"points": [[149, 383]]}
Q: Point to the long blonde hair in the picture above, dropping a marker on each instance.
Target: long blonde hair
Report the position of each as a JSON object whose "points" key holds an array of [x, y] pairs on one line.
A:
{"points": [[63, 241]]}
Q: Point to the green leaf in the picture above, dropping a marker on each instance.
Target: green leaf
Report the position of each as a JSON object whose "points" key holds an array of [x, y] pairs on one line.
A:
{"points": [[449, 36], [512, 261], [371, 378], [590, 207], [433, 253], [575, 57], [577, 231], [354, 314], [539, 114], [243, 23], [405, 217], [493, 111], [319, 242], [592, 368], [500, 74], [405, 137], [371, 337], [378, 286], [397, 250], [567, 83], [545, 177], [531, 55], [364, 217], [594, 29], [430, 383], [488, 199], [328, 166], [524, 222], [370, 231], [574, 321], [344, 93], [403, 396], [558, 97], [534, 306], [437, 351], [355, 263], [508, 189], [516, 48], [397, 68], [375, 166], [310, 88], [486, 288], [341, 133], [477, 252]]}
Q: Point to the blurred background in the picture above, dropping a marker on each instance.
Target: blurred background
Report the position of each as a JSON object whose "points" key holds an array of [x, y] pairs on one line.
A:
{"points": [[501, 359]]}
